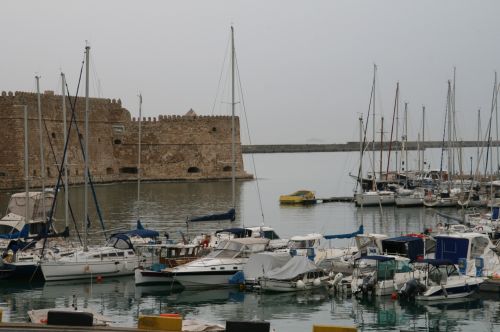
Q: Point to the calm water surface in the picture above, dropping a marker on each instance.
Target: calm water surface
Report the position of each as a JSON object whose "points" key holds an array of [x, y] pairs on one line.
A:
{"points": [[165, 206]]}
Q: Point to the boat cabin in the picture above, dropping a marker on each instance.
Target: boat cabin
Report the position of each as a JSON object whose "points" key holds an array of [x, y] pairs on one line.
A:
{"points": [[244, 247]]}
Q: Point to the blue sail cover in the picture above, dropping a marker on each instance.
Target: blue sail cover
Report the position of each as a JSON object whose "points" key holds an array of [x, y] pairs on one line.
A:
{"points": [[140, 231], [346, 236], [24, 233], [229, 215]]}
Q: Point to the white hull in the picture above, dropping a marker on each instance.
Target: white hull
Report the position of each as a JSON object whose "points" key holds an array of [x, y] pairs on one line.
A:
{"points": [[202, 280], [81, 270], [409, 201], [287, 286], [148, 277], [375, 199], [442, 202]]}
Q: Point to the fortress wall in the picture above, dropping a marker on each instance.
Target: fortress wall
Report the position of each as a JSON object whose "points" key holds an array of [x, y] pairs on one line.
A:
{"points": [[170, 144]]}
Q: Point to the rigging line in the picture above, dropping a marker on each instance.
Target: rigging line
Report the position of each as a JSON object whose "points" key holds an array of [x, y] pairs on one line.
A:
{"points": [[72, 106], [249, 137], [221, 73], [365, 145], [444, 131], [396, 101], [96, 81]]}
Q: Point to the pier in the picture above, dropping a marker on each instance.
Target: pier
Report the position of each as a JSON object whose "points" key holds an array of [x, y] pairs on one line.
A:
{"points": [[354, 146]]}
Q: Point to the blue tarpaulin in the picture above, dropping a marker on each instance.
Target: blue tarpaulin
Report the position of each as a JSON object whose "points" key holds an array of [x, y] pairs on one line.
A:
{"points": [[24, 233], [451, 248]]}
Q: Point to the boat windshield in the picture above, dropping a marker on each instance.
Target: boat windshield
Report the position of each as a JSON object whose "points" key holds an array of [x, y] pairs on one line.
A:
{"points": [[226, 253], [271, 235], [302, 244]]}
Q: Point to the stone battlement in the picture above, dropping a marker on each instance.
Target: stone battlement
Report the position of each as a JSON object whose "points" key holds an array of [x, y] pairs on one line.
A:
{"points": [[174, 147]]}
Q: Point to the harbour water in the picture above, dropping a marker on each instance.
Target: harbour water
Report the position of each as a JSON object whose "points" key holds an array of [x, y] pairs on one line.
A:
{"points": [[165, 206]]}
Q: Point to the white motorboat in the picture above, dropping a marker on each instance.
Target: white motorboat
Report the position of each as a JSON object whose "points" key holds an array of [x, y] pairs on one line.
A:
{"points": [[298, 274], [116, 258], [165, 256], [441, 281], [388, 273], [220, 265]]}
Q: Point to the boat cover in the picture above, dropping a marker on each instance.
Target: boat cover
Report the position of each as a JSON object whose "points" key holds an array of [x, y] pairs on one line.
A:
{"points": [[258, 264], [345, 236], [229, 215], [295, 266], [409, 246]]}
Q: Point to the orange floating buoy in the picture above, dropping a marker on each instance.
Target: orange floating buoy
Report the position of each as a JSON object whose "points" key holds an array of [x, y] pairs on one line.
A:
{"points": [[170, 315], [43, 320]]}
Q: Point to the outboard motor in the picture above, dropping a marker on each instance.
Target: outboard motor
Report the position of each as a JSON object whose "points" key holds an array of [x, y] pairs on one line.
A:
{"points": [[410, 289], [368, 285]]}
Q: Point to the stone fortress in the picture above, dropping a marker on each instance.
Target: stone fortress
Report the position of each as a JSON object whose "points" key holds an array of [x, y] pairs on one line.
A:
{"points": [[176, 148]]}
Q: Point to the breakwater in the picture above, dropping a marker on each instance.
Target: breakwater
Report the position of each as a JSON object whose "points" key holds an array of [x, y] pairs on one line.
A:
{"points": [[354, 146]]}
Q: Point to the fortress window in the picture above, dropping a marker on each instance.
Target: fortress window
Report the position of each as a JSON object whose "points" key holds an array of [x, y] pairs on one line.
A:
{"points": [[128, 170], [227, 169], [80, 136], [53, 135], [34, 172], [109, 170], [194, 170], [48, 172], [117, 141], [214, 129], [3, 174], [118, 129]]}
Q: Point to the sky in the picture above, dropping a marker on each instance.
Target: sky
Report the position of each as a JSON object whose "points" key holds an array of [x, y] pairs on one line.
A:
{"points": [[306, 67]]}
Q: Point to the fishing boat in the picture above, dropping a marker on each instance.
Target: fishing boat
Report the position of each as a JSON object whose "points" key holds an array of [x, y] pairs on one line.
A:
{"points": [[215, 269], [441, 281], [298, 274], [299, 197]]}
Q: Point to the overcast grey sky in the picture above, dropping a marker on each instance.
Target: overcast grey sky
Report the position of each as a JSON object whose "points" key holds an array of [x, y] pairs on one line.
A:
{"points": [[306, 66]]}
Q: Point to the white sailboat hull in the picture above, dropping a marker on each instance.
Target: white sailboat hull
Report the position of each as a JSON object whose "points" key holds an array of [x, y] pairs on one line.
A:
{"points": [[375, 198], [402, 201], [81, 270]]}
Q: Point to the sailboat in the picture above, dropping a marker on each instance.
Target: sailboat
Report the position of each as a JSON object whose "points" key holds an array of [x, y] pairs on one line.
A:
{"points": [[116, 258], [231, 213], [373, 197]]}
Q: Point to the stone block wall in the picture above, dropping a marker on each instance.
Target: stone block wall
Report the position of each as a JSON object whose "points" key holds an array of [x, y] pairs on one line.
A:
{"points": [[173, 147]]}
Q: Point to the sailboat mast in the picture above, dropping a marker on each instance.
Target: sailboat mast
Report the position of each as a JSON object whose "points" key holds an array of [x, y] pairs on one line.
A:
{"points": [[406, 143], [478, 137], [373, 129], [495, 96], [423, 138], [233, 133], [361, 164], [139, 146], [65, 161], [381, 144], [453, 133], [26, 165], [86, 171], [42, 163], [449, 132]]}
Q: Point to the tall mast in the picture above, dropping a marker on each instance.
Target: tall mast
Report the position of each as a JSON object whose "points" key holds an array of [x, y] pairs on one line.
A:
{"points": [[87, 156], [478, 137], [405, 139], [453, 133], [423, 138], [396, 101], [381, 145], [42, 163], [65, 161], [26, 166], [495, 96], [450, 161], [373, 129], [139, 160], [361, 165], [233, 133]]}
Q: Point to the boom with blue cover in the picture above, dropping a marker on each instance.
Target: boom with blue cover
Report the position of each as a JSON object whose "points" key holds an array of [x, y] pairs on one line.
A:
{"points": [[229, 215], [361, 230]]}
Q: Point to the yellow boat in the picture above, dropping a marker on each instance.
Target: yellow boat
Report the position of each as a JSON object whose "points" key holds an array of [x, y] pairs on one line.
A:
{"points": [[299, 197]]}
